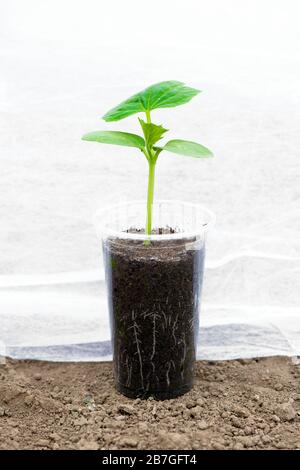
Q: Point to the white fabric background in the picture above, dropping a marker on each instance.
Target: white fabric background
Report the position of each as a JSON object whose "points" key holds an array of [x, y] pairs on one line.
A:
{"points": [[62, 65]]}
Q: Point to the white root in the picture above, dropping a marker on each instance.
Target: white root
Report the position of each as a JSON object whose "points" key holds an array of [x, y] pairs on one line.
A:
{"points": [[174, 328], [154, 336], [183, 355], [167, 374], [137, 342], [129, 372]]}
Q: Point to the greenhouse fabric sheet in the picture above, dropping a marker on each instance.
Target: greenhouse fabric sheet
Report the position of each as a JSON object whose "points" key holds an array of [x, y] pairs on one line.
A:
{"points": [[52, 292]]}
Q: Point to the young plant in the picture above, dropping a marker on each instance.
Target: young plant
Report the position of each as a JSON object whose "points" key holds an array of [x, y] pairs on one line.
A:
{"points": [[161, 95]]}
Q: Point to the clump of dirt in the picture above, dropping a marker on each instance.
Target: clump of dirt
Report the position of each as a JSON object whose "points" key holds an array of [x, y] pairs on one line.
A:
{"points": [[244, 404]]}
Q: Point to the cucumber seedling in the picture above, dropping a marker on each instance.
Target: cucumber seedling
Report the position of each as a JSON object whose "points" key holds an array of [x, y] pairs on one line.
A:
{"points": [[166, 94]]}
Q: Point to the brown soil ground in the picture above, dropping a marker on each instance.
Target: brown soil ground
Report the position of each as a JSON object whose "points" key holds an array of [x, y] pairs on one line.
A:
{"points": [[245, 404]]}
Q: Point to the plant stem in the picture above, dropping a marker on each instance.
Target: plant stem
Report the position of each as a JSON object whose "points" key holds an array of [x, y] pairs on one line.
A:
{"points": [[150, 196], [148, 116], [151, 162]]}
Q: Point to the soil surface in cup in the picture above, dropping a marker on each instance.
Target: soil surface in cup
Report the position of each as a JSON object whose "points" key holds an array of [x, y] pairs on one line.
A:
{"points": [[154, 295]]}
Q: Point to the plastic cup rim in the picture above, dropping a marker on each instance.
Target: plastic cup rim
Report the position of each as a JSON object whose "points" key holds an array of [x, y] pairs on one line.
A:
{"points": [[103, 229]]}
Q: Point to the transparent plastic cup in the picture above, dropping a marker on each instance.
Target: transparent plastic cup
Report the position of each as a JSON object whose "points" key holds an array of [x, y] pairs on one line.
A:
{"points": [[154, 287]]}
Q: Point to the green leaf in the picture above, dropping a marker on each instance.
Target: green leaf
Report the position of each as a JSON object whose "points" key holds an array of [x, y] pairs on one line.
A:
{"points": [[185, 147], [115, 137], [161, 95], [152, 132]]}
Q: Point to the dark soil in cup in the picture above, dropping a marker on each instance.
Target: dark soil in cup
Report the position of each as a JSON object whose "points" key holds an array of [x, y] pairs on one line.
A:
{"points": [[154, 295]]}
